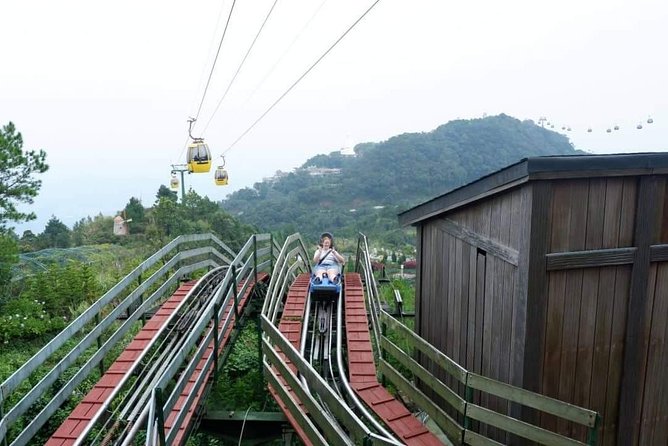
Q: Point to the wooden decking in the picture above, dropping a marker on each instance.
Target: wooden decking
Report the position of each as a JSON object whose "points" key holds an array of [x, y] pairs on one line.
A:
{"points": [[362, 371], [290, 325], [82, 415]]}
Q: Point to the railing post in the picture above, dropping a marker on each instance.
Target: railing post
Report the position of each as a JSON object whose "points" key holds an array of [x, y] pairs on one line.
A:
{"points": [[216, 309], [357, 255], [2, 412], [255, 256], [592, 435], [271, 252], [99, 344], [236, 298], [141, 301], [469, 398], [383, 355], [160, 416]]}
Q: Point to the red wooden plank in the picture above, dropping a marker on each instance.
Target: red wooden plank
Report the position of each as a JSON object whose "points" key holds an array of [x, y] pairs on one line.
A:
{"points": [[362, 371]]}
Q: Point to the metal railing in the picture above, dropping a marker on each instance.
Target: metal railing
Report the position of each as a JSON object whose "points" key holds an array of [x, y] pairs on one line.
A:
{"points": [[461, 434], [255, 257], [325, 417], [181, 257]]}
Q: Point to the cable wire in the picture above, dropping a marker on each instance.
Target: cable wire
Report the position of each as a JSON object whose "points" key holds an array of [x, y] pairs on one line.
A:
{"points": [[220, 45], [301, 77], [250, 48], [287, 50]]}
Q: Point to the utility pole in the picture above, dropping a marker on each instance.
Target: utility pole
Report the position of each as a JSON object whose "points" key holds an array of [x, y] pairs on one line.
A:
{"points": [[181, 168]]}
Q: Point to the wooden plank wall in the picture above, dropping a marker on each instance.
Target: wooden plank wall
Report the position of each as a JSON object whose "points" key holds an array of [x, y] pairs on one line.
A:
{"points": [[567, 339], [652, 425], [586, 308], [467, 300]]}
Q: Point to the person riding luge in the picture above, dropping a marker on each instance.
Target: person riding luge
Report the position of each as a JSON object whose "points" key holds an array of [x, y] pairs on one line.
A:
{"points": [[328, 261]]}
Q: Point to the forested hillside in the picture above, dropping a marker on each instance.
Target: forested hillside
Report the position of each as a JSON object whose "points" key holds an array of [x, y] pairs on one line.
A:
{"points": [[364, 192]]}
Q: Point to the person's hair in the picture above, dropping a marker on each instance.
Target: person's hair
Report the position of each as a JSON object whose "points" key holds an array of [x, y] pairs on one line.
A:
{"points": [[329, 236]]}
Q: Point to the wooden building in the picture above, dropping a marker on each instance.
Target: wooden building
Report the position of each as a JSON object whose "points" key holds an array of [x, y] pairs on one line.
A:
{"points": [[552, 275]]}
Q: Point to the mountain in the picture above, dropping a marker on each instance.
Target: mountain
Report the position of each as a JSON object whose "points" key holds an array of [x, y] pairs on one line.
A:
{"points": [[346, 194]]}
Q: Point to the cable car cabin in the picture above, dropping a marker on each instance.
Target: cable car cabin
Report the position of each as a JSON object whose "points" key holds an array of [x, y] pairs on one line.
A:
{"points": [[325, 290], [199, 157], [220, 176], [174, 182]]}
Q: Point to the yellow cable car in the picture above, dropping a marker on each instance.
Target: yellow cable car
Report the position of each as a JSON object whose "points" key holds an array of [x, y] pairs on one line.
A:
{"points": [[220, 176], [174, 182], [199, 157]]}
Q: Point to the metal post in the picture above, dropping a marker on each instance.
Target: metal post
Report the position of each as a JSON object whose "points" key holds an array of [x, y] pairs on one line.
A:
{"points": [[216, 309], [469, 399], [236, 298], [255, 256], [99, 344], [160, 415], [383, 355], [271, 252], [592, 435], [141, 301]]}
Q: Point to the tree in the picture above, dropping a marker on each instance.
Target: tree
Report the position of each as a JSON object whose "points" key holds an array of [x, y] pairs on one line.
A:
{"points": [[56, 234], [17, 169], [8, 258], [135, 211], [165, 192]]}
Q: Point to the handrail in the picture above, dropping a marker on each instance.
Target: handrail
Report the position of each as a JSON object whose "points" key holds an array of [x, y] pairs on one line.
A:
{"points": [[381, 320], [473, 381], [108, 308], [250, 260], [320, 425]]}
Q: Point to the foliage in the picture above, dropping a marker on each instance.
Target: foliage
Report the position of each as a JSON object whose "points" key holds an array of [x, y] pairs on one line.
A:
{"points": [[8, 258], [46, 302], [241, 384], [94, 231], [56, 235], [134, 211], [17, 170], [165, 192], [369, 189]]}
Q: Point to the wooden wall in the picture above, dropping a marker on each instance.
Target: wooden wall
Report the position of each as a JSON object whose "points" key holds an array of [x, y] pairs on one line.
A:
{"points": [[467, 301], [559, 286]]}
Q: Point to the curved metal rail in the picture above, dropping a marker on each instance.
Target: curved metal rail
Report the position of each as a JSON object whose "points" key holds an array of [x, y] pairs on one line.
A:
{"points": [[322, 414], [98, 326]]}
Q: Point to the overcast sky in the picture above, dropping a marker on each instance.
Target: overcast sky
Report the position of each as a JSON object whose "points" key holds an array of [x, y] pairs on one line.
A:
{"points": [[106, 88]]}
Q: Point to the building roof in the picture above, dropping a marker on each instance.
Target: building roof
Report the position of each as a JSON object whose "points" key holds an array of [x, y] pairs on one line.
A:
{"points": [[538, 168]]}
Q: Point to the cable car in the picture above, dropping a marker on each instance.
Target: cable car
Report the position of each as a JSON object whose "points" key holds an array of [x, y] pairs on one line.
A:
{"points": [[174, 182], [609, 130], [589, 130], [616, 127], [220, 177], [650, 120], [199, 157], [639, 126]]}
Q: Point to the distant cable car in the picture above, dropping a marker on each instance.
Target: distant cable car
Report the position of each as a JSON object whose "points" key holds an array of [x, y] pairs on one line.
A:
{"points": [[220, 176], [639, 126], [589, 130], [174, 182], [199, 156], [609, 130], [616, 127], [650, 120]]}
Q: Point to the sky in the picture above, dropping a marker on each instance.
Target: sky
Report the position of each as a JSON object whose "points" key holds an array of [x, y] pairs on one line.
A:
{"points": [[106, 88]]}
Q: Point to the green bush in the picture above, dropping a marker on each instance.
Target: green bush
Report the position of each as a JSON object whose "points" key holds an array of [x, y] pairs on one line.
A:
{"points": [[27, 319]]}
